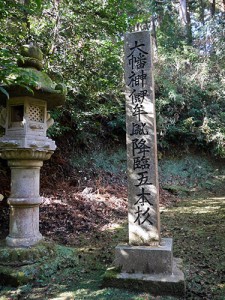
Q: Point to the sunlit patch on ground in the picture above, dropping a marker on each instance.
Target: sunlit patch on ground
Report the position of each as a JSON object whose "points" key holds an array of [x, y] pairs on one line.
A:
{"points": [[197, 226], [92, 218]]}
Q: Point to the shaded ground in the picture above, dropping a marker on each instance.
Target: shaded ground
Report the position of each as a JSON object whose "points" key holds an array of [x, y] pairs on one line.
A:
{"points": [[197, 225], [89, 212]]}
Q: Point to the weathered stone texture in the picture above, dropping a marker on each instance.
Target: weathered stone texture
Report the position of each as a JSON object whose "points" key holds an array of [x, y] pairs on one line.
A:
{"points": [[143, 195]]}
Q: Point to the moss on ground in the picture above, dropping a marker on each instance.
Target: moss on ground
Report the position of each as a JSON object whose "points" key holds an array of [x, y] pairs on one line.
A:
{"points": [[196, 224], [197, 227], [36, 264]]}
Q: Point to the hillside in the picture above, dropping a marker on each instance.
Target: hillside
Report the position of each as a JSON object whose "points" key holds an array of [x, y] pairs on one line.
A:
{"points": [[85, 207]]}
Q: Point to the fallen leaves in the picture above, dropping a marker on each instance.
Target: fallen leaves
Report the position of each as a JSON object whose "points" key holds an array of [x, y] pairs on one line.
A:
{"points": [[73, 204], [68, 211]]}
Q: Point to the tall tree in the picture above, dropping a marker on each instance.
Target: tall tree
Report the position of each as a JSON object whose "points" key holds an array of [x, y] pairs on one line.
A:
{"points": [[83, 45], [185, 19], [212, 7]]}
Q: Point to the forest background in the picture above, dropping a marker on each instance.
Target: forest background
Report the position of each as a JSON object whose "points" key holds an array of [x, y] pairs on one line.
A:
{"points": [[84, 182], [82, 42]]}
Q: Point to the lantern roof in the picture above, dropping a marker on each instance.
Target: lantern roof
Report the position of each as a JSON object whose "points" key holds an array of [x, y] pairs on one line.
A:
{"points": [[44, 88]]}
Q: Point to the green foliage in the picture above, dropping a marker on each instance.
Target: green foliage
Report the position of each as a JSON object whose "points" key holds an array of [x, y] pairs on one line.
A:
{"points": [[82, 42], [11, 74], [190, 99], [190, 171], [111, 161]]}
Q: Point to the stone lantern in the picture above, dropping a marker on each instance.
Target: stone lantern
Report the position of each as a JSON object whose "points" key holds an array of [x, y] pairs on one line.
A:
{"points": [[25, 145]]}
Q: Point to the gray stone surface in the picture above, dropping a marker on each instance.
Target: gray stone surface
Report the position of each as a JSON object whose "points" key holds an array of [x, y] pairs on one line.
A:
{"points": [[26, 124], [145, 259], [25, 146], [156, 284], [143, 192], [147, 262], [24, 203]]}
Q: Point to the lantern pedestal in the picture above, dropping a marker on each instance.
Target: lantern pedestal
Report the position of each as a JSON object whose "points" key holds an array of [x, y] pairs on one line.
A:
{"points": [[25, 147], [24, 116], [25, 199]]}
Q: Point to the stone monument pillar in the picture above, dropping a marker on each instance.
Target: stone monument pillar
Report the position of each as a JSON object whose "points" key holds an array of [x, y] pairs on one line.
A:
{"points": [[25, 145], [143, 195], [147, 261]]}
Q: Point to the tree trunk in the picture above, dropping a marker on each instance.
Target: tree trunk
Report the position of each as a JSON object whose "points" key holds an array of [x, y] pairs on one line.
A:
{"points": [[183, 12], [188, 26], [154, 32], [27, 20], [186, 20], [202, 11], [212, 7]]}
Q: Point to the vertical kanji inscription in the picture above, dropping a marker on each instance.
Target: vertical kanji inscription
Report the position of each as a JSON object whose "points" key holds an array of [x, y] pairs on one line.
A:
{"points": [[143, 196]]}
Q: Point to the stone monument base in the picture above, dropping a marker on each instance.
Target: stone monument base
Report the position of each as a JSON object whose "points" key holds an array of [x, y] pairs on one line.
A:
{"points": [[147, 269]]}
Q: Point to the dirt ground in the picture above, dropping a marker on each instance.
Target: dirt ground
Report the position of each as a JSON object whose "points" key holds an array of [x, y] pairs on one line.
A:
{"points": [[89, 213]]}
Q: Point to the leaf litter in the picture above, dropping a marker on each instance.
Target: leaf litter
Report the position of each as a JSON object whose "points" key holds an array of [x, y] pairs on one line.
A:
{"points": [[89, 212]]}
